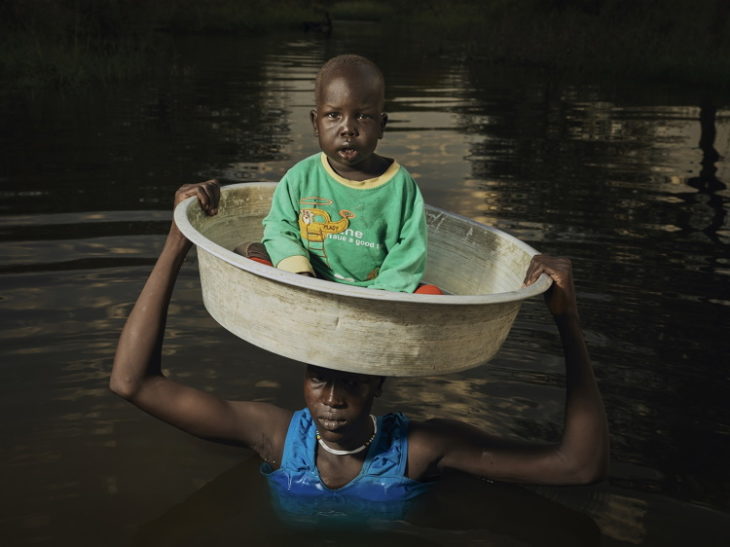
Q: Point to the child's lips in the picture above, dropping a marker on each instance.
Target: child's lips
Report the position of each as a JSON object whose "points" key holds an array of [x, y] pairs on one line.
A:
{"points": [[347, 153]]}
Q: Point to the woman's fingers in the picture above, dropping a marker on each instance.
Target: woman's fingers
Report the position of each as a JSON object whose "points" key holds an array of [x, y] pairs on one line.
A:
{"points": [[558, 268], [208, 194], [560, 297], [535, 269]]}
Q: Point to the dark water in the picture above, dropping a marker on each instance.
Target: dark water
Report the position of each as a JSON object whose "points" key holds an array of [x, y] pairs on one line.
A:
{"points": [[610, 174]]}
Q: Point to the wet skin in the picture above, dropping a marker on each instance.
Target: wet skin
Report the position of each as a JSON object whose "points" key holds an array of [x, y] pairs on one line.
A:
{"points": [[349, 121], [340, 404]]}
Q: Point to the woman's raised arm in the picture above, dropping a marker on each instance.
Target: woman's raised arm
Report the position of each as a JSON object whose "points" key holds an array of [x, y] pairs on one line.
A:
{"points": [[137, 375], [581, 455]]}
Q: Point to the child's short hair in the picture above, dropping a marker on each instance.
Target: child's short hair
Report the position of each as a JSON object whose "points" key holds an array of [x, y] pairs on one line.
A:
{"points": [[343, 61]]}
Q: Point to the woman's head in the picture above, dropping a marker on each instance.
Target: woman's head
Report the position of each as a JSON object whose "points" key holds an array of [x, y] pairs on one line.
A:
{"points": [[340, 403]]}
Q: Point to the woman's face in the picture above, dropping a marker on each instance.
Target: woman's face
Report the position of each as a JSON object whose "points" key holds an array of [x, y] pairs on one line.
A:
{"points": [[340, 404]]}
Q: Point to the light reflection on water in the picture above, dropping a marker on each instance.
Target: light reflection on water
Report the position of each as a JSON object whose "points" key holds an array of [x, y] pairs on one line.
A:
{"points": [[610, 177]]}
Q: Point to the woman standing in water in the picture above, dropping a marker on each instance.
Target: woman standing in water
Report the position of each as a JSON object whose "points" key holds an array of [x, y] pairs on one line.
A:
{"points": [[334, 450]]}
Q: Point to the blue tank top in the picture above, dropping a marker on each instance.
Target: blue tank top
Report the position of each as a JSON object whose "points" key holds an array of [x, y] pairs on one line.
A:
{"points": [[381, 490]]}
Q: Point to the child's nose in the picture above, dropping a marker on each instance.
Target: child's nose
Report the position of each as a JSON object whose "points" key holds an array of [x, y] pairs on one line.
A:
{"points": [[349, 126]]}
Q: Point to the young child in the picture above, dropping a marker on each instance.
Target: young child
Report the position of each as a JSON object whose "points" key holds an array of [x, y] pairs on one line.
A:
{"points": [[347, 214]]}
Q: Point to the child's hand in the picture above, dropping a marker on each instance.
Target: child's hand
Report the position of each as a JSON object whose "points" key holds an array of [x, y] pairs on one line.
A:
{"points": [[560, 297]]}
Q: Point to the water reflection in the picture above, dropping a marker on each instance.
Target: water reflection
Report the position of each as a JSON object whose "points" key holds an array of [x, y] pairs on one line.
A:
{"points": [[471, 512], [613, 177]]}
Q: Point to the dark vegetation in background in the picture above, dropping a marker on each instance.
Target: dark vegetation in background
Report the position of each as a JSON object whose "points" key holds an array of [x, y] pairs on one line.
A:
{"points": [[67, 42]]}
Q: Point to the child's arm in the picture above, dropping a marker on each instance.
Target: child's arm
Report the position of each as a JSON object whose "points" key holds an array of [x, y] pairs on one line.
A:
{"points": [[581, 455], [281, 232], [405, 262], [137, 375]]}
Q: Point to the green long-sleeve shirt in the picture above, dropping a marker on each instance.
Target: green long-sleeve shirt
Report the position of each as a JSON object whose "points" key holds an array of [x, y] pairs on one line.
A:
{"points": [[369, 233]]}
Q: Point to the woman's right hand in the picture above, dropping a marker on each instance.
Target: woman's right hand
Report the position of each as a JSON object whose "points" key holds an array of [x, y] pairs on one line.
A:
{"points": [[208, 193]]}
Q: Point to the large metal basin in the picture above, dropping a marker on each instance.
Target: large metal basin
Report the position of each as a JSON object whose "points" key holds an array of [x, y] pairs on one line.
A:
{"points": [[352, 328]]}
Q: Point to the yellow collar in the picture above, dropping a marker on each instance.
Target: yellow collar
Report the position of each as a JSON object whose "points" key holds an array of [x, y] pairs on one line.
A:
{"points": [[366, 184]]}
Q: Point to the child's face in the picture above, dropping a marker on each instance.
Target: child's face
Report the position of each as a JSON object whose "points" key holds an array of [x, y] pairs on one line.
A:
{"points": [[349, 121]]}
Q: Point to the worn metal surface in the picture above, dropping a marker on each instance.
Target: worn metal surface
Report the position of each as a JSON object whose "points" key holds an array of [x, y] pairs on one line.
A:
{"points": [[355, 329]]}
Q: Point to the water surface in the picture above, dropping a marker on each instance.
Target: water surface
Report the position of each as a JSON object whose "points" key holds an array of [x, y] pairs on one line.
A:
{"points": [[610, 174]]}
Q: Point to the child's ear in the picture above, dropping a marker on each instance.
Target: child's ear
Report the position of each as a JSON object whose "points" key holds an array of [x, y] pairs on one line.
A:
{"points": [[383, 123], [313, 119]]}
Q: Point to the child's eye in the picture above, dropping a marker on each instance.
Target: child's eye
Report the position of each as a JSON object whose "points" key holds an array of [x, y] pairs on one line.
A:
{"points": [[363, 116], [332, 115]]}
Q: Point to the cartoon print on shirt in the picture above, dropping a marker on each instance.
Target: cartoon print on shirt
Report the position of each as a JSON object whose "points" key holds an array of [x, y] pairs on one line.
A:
{"points": [[316, 224]]}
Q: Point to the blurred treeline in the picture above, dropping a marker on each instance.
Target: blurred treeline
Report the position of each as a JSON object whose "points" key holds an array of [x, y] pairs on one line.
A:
{"points": [[65, 42]]}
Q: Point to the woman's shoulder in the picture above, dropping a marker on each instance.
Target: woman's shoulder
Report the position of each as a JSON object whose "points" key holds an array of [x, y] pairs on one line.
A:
{"points": [[427, 443]]}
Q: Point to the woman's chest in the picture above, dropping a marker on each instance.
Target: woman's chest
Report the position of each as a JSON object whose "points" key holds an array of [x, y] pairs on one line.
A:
{"points": [[336, 474]]}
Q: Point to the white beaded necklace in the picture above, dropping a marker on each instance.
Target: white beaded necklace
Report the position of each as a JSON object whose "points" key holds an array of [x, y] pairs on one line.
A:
{"points": [[353, 451]]}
